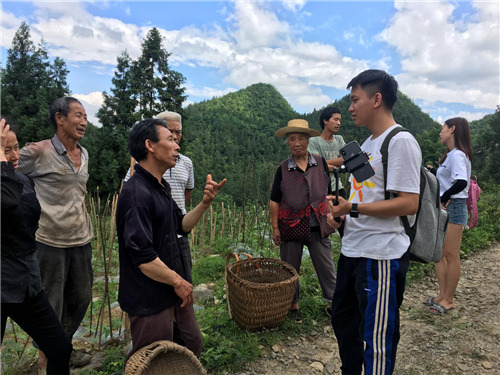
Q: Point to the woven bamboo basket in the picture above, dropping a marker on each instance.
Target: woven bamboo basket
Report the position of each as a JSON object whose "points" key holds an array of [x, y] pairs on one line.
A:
{"points": [[259, 291], [164, 358]]}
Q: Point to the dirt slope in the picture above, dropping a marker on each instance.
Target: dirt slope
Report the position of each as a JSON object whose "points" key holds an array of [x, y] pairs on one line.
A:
{"points": [[465, 341]]}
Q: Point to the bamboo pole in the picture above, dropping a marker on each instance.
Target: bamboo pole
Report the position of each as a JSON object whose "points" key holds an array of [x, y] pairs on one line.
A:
{"points": [[127, 336], [235, 219], [210, 227], [203, 233], [230, 220], [111, 238], [240, 224], [214, 224], [223, 227], [192, 239]]}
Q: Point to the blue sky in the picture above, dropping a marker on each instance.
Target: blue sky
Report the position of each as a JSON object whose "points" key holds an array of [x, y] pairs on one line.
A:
{"points": [[444, 54]]}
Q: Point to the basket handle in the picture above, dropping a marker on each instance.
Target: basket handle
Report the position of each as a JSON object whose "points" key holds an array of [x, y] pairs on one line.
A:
{"points": [[228, 258], [236, 256]]}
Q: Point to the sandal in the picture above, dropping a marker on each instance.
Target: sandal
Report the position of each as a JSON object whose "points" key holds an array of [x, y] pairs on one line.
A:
{"points": [[439, 309], [429, 301]]}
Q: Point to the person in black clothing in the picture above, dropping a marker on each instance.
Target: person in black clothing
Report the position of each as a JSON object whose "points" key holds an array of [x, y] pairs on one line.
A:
{"points": [[23, 298], [153, 287]]}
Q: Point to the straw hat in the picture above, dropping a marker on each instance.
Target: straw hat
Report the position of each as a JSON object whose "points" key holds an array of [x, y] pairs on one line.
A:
{"points": [[296, 126]]}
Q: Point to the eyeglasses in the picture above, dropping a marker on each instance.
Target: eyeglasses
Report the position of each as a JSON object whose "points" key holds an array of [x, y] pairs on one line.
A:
{"points": [[178, 132]]}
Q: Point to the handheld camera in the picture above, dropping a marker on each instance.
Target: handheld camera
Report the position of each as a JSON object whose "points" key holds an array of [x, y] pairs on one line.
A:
{"points": [[355, 162]]}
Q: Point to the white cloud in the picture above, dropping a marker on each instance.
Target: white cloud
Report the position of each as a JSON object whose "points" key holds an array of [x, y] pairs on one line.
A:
{"points": [[447, 59], [470, 116], [75, 35], [206, 92], [294, 5], [255, 27], [442, 58], [194, 47], [296, 68], [9, 25]]}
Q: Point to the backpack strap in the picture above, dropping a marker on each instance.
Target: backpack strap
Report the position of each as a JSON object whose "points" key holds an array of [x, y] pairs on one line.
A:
{"points": [[384, 151]]}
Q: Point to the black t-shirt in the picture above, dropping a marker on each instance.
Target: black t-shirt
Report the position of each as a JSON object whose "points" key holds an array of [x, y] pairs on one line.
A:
{"points": [[148, 221]]}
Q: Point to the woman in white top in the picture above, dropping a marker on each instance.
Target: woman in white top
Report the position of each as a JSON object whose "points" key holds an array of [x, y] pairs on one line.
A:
{"points": [[453, 175]]}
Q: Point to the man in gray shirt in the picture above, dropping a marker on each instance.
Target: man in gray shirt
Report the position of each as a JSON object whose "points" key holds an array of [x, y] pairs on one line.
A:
{"points": [[59, 168], [329, 143]]}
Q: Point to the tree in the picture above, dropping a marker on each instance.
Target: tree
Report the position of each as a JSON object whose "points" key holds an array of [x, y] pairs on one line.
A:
{"points": [[486, 147], [141, 89], [158, 88], [29, 84], [109, 144]]}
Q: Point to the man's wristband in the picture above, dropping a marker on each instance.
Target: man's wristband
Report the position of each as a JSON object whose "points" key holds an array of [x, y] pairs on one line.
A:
{"points": [[354, 210]]}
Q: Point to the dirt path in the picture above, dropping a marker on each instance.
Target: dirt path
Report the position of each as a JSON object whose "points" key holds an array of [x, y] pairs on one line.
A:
{"points": [[465, 341]]}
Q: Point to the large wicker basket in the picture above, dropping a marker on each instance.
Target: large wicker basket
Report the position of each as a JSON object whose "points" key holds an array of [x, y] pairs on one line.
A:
{"points": [[259, 291], [164, 358]]}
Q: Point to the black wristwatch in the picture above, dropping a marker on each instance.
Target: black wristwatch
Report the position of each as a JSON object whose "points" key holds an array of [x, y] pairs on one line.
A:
{"points": [[354, 210]]}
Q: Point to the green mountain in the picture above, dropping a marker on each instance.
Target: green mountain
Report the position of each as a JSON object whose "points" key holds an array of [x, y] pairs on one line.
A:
{"points": [[405, 112], [233, 137]]}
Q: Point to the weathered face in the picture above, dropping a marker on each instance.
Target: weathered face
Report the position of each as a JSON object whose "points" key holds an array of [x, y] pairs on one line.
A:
{"points": [[12, 149], [176, 130], [166, 150], [333, 123], [74, 125], [298, 142], [361, 106]]}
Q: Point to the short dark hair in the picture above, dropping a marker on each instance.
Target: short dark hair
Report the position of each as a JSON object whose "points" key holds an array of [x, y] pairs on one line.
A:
{"points": [[373, 81], [14, 127], [142, 130], [327, 113], [61, 105]]}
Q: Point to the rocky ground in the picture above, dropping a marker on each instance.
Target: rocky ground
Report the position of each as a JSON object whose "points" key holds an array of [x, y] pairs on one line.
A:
{"points": [[464, 341]]}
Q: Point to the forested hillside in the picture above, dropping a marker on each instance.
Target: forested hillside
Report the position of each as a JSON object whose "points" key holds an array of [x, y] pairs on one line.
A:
{"points": [[486, 148], [406, 113], [233, 137]]}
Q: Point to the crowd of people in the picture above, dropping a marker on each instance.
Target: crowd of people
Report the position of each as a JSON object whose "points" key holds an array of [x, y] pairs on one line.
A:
{"points": [[46, 232]]}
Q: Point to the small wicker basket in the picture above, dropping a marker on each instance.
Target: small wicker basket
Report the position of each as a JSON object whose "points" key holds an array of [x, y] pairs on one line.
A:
{"points": [[164, 358], [259, 291]]}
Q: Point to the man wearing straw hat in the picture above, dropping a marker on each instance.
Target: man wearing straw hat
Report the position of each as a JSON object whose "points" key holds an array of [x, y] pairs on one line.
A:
{"points": [[153, 287], [299, 210]]}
